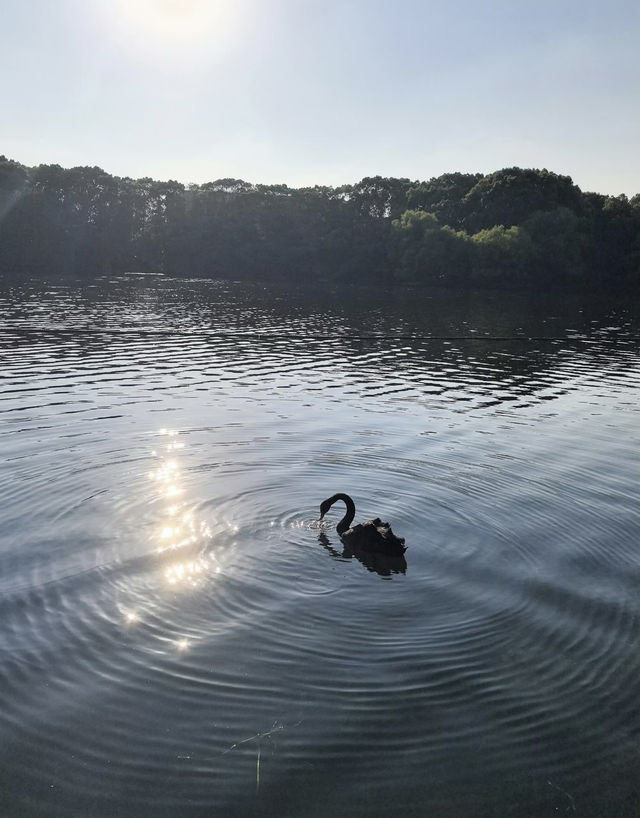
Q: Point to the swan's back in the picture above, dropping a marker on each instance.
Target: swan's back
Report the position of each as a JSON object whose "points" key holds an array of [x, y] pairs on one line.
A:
{"points": [[374, 535]]}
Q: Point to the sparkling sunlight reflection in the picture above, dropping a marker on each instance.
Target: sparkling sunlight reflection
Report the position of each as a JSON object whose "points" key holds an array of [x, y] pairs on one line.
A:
{"points": [[180, 530], [181, 540]]}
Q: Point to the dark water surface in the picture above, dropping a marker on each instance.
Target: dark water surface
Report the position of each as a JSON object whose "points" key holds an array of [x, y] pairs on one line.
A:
{"points": [[176, 640]]}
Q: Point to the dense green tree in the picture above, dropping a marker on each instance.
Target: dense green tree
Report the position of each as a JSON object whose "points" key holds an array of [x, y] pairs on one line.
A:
{"points": [[377, 196], [501, 253], [13, 183], [444, 196], [559, 244], [14, 218], [510, 196], [425, 251]]}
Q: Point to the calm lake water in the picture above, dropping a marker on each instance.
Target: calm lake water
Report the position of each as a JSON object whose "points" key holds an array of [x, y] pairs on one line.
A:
{"points": [[178, 639]]}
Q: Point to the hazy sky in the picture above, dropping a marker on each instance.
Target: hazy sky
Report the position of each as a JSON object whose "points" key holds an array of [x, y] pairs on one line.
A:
{"points": [[321, 91]]}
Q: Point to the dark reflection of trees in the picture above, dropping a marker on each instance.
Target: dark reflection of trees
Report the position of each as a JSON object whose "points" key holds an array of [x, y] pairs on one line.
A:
{"points": [[517, 345], [426, 345], [382, 564]]}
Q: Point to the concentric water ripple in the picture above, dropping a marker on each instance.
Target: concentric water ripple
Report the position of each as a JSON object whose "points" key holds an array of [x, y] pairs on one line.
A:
{"points": [[179, 638]]}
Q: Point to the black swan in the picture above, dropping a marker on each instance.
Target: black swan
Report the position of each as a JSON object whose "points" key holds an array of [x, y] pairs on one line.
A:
{"points": [[372, 535]]}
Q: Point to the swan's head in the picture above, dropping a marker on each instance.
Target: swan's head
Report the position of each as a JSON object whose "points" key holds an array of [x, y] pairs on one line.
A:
{"points": [[325, 505]]}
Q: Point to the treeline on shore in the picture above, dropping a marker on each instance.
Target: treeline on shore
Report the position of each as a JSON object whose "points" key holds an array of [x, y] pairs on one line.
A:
{"points": [[515, 227]]}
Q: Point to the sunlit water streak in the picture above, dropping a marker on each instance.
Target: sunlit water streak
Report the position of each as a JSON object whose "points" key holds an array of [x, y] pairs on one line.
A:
{"points": [[178, 637]]}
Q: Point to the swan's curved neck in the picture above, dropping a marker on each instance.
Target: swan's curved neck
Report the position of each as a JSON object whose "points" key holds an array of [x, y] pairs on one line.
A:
{"points": [[345, 522]]}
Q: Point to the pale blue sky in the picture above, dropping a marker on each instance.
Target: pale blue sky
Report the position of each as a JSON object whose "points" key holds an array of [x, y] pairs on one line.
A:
{"points": [[321, 91]]}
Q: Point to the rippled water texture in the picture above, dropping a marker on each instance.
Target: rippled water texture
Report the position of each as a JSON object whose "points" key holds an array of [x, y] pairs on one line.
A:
{"points": [[177, 638]]}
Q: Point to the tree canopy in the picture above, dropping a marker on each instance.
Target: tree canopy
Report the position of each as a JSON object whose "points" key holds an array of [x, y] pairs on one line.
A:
{"points": [[515, 227]]}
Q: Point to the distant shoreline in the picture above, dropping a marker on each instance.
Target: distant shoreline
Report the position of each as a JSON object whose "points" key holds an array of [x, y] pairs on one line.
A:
{"points": [[515, 229]]}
